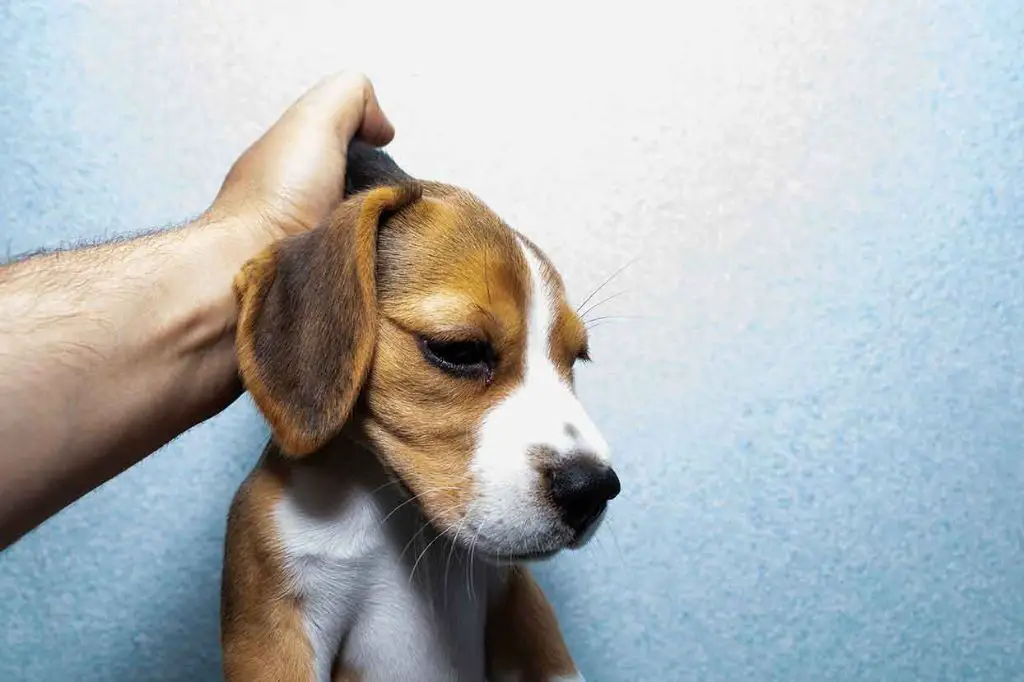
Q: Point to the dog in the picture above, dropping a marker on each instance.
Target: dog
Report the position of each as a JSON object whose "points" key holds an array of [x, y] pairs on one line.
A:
{"points": [[414, 357]]}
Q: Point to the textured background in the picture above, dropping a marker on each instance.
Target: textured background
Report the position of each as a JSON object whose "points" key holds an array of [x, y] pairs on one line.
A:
{"points": [[817, 395]]}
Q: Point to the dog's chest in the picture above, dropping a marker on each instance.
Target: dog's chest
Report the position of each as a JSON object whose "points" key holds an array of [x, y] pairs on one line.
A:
{"points": [[381, 593]]}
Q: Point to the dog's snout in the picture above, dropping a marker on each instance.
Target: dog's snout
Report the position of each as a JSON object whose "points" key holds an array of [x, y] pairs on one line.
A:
{"points": [[581, 489]]}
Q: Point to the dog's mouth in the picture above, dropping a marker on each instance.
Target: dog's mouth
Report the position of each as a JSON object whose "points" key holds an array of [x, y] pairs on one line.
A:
{"points": [[502, 549], [536, 555], [510, 557]]}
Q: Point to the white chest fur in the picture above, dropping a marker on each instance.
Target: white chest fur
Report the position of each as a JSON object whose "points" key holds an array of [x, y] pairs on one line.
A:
{"points": [[380, 591]]}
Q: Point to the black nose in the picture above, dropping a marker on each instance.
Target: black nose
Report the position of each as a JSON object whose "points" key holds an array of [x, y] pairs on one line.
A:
{"points": [[581, 488]]}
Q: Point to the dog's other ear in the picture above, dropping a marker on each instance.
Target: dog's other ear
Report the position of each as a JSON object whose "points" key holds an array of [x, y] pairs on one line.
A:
{"points": [[367, 167], [308, 320]]}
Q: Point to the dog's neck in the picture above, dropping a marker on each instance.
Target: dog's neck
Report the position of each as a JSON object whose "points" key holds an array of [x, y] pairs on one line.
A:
{"points": [[343, 479], [347, 461]]}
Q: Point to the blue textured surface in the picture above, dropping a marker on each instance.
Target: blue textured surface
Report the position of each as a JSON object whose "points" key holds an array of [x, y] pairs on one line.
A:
{"points": [[816, 399]]}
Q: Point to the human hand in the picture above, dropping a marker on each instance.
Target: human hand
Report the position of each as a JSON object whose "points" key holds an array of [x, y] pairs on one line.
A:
{"points": [[294, 175]]}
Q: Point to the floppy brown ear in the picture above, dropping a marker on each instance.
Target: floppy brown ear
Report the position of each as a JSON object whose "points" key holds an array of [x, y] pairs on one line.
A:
{"points": [[308, 320]]}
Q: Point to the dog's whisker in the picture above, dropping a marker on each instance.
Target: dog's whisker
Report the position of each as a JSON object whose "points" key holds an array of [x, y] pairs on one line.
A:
{"points": [[615, 541], [600, 303], [448, 562], [612, 319], [384, 485], [416, 563], [430, 491], [428, 523], [597, 325], [472, 553], [607, 282], [615, 317], [415, 535]]}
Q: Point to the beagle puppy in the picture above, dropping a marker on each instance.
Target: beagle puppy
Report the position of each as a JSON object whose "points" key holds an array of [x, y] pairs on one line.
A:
{"points": [[414, 358]]}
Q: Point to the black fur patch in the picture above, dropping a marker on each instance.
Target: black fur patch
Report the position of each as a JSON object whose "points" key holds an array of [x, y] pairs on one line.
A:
{"points": [[368, 167]]}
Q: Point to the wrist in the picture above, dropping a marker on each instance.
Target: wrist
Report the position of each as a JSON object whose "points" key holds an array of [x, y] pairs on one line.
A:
{"points": [[231, 239], [212, 250], [200, 308]]}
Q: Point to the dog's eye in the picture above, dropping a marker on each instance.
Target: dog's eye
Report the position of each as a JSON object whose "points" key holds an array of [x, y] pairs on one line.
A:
{"points": [[582, 356], [461, 358]]}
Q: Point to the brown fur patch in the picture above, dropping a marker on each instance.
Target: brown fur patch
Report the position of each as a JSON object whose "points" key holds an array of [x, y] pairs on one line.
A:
{"points": [[523, 634], [262, 632]]}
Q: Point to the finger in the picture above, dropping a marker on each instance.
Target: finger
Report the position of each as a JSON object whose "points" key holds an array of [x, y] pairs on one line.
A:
{"points": [[347, 101], [376, 128]]}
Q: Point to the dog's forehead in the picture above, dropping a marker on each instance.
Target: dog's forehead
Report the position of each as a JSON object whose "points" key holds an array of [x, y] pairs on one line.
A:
{"points": [[451, 242]]}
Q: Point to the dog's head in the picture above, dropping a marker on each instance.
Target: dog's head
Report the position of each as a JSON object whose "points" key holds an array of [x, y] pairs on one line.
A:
{"points": [[416, 317]]}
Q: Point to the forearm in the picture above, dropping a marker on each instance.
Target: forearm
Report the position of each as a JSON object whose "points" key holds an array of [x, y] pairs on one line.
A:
{"points": [[106, 354]]}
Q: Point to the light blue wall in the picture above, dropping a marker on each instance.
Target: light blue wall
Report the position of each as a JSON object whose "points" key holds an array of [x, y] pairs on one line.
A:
{"points": [[816, 396]]}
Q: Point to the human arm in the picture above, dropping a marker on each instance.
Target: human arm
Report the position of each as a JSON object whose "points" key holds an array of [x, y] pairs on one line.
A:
{"points": [[109, 352]]}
